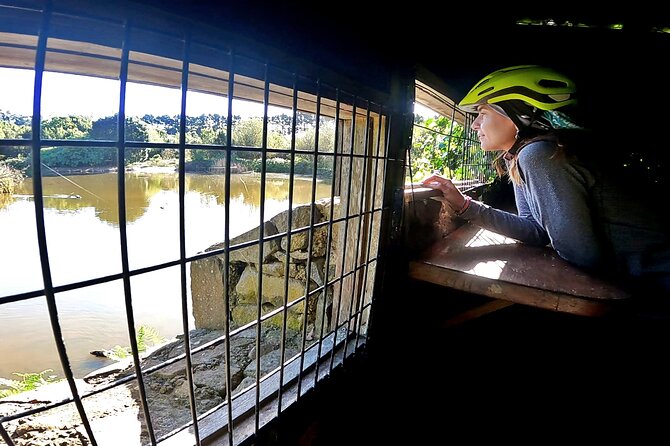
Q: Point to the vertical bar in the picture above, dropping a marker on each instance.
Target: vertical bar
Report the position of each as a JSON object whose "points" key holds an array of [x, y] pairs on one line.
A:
{"points": [[364, 258], [289, 223], [182, 236], [466, 154], [355, 274], [381, 272], [372, 219], [5, 436], [310, 241], [329, 239], [226, 244], [123, 236], [40, 57], [261, 233], [346, 230], [344, 238], [450, 133], [315, 169]]}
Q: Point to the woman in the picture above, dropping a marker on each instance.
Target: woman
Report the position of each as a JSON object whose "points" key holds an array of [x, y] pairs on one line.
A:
{"points": [[589, 217]]}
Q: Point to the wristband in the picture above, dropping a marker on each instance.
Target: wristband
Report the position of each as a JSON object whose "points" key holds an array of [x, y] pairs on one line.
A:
{"points": [[465, 206]]}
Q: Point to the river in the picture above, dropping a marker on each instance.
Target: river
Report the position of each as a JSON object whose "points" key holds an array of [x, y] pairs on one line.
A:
{"points": [[82, 229]]}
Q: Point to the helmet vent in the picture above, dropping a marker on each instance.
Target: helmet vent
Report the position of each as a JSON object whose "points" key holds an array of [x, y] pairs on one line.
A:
{"points": [[551, 83], [483, 92]]}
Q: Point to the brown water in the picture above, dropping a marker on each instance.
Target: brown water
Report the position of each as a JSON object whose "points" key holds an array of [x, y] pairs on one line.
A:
{"points": [[82, 228]]}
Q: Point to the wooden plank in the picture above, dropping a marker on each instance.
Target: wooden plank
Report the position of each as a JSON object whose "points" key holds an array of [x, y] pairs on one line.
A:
{"points": [[478, 311], [521, 294], [481, 253], [482, 262]]}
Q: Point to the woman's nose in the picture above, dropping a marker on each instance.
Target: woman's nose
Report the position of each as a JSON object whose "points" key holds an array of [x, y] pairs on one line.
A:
{"points": [[475, 123]]}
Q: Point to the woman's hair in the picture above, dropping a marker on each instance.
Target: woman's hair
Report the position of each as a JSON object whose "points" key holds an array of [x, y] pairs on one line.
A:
{"points": [[566, 143]]}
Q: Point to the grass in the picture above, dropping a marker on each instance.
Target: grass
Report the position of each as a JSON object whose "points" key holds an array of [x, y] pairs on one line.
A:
{"points": [[28, 381], [145, 336]]}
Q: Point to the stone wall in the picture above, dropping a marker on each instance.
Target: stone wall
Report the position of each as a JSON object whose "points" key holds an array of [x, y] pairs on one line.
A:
{"points": [[208, 279]]}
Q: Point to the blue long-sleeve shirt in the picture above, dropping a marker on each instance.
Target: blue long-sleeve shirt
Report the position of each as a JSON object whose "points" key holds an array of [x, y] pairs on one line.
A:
{"points": [[588, 219]]}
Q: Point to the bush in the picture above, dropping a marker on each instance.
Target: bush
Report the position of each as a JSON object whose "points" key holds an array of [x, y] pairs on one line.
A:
{"points": [[9, 178]]}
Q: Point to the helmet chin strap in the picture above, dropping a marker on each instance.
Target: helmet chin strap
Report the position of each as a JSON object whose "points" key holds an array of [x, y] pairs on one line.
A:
{"points": [[512, 151]]}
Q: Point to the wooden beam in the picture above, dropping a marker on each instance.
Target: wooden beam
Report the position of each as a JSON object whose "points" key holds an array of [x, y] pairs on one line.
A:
{"points": [[478, 311], [82, 58]]}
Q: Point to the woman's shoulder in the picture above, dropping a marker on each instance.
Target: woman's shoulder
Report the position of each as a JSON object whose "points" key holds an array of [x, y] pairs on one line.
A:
{"points": [[538, 151]]}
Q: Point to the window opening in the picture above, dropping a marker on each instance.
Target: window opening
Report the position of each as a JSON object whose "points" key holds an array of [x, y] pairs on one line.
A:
{"points": [[137, 189]]}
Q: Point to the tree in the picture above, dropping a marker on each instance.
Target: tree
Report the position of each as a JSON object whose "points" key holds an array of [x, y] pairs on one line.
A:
{"points": [[248, 133], [67, 127], [136, 130]]}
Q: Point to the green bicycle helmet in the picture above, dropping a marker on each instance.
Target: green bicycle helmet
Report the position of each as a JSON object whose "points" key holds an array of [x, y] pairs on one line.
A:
{"points": [[537, 86]]}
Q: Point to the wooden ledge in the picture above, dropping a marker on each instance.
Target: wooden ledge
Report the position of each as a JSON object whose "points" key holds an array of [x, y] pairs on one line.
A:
{"points": [[479, 261]]}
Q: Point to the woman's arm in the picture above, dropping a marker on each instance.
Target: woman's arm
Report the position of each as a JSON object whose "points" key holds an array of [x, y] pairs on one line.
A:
{"points": [[520, 227]]}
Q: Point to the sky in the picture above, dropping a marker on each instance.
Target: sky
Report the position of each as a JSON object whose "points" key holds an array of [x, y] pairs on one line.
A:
{"points": [[68, 94]]}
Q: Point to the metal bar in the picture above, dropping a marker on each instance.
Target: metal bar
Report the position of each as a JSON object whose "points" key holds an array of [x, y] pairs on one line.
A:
{"points": [[261, 234], [355, 292], [289, 227], [372, 216], [226, 245], [40, 57], [346, 226], [310, 241], [329, 241], [182, 238], [451, 128], [360, 289], [15, 142], [121, 136], [5, 436], [325, 272], [20, 297], [379, 278], [346, 230]]}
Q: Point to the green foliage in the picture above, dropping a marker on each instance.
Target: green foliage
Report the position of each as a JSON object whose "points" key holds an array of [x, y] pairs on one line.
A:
{"points": [[248, 133], [306, 139], [10, 130], [436, 145], [146, 336], [74, 157], [9, 178], [439, 144], [28, 381], [204, 129], [68, 127]]}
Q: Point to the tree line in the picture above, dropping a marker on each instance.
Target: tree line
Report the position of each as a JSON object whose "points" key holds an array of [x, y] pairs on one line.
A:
{"points": [[205, 129]]}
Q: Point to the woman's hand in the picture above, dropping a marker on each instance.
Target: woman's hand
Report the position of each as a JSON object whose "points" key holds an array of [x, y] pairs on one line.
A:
{"points": [[455, 199]]}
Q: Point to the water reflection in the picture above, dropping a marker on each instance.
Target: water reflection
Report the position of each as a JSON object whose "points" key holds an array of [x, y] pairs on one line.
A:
{"points": [[100, 191], [82, 228]]}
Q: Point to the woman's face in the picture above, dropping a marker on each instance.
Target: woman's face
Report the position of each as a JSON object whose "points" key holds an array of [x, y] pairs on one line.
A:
{"points": [[495, 131]]}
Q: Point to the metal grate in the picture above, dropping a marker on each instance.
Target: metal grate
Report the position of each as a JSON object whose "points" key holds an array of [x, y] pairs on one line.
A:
{"points": [[447, 145], [334, 306]]}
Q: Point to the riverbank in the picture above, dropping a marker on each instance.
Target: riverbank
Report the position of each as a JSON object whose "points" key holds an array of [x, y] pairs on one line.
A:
{"points": [[116, 415]]}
